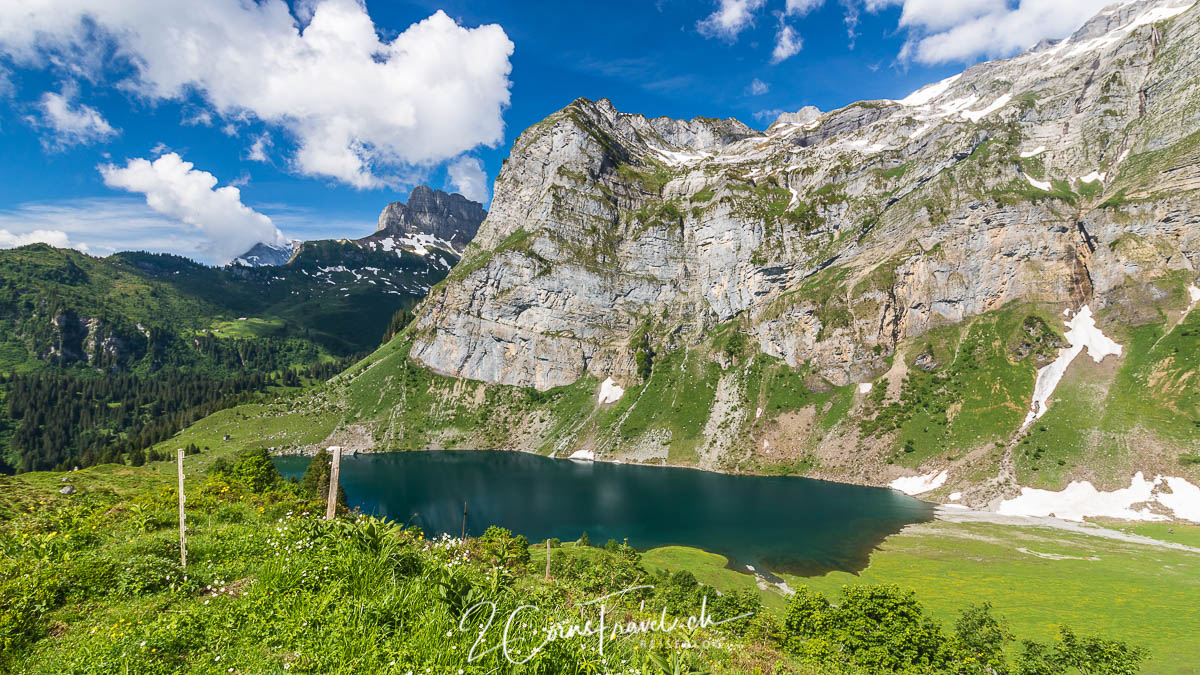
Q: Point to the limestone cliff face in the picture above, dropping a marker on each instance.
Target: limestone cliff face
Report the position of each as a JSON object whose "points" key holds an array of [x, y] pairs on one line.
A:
{"points": [[1057, 176]]}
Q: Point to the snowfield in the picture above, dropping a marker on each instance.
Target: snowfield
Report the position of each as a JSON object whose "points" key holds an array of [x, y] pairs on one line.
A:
{"points": [[1039, 184], [610, 392], [1082, 500], [928, 92], [976, 115], [915, 485], [1082, 333]]}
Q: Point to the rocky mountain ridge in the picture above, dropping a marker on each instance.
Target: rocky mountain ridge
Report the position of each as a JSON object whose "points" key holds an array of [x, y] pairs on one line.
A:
{"points": [[712, 225], [267, 255], [431, 219]]}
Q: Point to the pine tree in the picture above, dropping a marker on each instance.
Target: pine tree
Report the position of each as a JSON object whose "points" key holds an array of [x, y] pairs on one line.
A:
{"points": [[315, 483]]}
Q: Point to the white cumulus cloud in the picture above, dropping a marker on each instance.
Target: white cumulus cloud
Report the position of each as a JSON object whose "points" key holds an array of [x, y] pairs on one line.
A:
{"points": [[72, 124], [729, 18], [942, 32], [56, 238], [357, 106], [179, 191], [787, 43], [469, 179], [802, 7], [258, 149]]}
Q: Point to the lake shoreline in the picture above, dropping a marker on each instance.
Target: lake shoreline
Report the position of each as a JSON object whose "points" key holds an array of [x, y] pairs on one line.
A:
{"points": [[940, 506]]}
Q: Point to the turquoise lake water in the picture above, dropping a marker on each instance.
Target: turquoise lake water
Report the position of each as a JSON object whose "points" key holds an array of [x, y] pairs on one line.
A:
{"points": [[779, 524]]}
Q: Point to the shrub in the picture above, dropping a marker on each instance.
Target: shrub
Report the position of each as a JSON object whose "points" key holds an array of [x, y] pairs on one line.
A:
{"points": [[24, 600], [1083, 654], [254, 468], [505, 549]]}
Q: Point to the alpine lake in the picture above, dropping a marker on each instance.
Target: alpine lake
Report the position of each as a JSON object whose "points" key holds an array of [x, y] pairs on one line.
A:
{"points": [[777, 524]]}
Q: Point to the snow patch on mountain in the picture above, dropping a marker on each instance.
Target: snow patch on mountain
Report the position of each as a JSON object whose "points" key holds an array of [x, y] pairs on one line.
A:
{"points": [[929, 92], [420, 243], [1039, 184], [678, 158], [1159, 14], [1093, 177], [610, 392], [1034, 152], [1183, 499], [915, 485], [1083, 333], [1081, 500], [976, 115]]}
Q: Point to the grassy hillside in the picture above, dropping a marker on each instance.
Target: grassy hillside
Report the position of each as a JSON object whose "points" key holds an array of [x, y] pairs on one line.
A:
{"points": [[92, 582]]}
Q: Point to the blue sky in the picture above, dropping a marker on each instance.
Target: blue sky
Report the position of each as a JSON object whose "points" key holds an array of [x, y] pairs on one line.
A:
{"points": [[113, 140]]}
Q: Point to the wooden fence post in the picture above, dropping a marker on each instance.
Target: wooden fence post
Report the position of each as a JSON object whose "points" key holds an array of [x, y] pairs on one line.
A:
{"points": [[331, 506], [182, 526], [547, 560], [464, 530]]}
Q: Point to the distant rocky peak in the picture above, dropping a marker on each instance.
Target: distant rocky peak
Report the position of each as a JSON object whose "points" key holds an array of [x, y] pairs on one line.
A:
{"points": [[805, 115], [449, 218], [267, 255]]}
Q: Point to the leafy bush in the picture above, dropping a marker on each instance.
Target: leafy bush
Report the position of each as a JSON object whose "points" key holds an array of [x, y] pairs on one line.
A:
{"points": [[254, 468], [504, 549], [1083, 654]]}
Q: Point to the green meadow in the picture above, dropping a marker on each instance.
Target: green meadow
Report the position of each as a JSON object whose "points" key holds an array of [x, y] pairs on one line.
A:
{"points": [[1035, 577]]}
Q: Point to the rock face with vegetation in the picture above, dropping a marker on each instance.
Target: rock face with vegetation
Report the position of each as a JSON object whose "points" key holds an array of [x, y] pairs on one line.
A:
{"points": [[857, 295]]}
